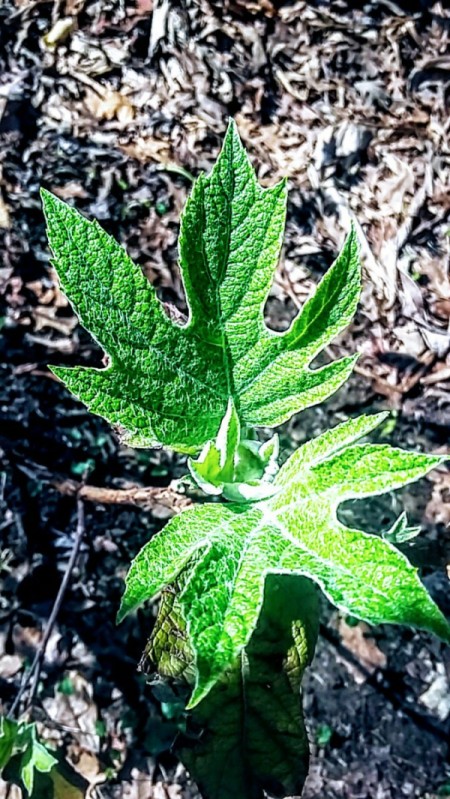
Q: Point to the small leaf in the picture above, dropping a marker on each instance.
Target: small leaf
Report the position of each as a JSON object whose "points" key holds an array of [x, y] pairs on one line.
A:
{"points": [[399, 533], [35, 758], [8, 736], [216, 463], [170, 384], [227, 441], [240, 470], [168, 650], [295, 531], [61, 781]]}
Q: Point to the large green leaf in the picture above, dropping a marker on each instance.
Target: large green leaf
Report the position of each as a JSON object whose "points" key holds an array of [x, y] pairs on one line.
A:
{"points": [[170, 384], [295, 531], [252, 736]]}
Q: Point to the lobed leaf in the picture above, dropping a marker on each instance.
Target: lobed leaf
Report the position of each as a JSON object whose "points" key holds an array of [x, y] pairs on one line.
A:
{"points": [[295, 531], [22, 755], [170, 384]]}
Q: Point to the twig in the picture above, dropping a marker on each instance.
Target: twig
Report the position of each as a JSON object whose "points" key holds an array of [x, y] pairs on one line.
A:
{"points": [[359, 370], [148, 498], [33, 674]]}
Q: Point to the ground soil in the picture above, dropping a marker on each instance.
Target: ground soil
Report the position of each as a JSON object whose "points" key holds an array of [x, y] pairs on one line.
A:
{"points": [[116, 115]]}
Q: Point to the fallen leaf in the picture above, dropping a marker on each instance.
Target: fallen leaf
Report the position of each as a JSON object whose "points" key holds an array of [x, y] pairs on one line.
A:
{"points": [[109, 105], [358, 640]]}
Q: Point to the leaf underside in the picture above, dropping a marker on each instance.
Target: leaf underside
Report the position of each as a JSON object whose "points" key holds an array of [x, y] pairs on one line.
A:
{"points": [[168, 384], [296, 531], [248, 735]]}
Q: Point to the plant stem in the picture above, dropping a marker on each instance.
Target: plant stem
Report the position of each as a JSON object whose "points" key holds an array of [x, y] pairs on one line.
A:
{"points": [[148, 497], [33, 674]]}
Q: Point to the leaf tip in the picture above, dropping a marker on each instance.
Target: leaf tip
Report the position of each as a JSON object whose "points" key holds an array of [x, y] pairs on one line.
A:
{"points": [[232, 145], [232, 128], [199, 693], [47, 199], [121, 614]]}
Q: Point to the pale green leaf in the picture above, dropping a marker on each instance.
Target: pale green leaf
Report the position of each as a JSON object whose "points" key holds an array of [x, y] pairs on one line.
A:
{"points": [[241, 470], [170, 384], [18, 738], [35, 758], [400, 532], [165, 556], [295, 531]]}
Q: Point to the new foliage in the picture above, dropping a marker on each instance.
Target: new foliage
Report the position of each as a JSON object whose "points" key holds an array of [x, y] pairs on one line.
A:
{"points": [[201, 389]]}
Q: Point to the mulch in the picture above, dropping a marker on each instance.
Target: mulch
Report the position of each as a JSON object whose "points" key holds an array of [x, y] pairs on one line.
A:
{"points": [[115, 107]]}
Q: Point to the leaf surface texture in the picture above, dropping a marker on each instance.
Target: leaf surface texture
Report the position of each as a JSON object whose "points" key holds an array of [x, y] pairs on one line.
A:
{"points": [[296, 531], [168, 384]]}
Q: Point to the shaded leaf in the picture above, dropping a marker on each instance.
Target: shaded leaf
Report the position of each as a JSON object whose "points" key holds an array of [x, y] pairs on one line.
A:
{"points": [[22, 754], [35, 758], [8, 735], [248, 735]]}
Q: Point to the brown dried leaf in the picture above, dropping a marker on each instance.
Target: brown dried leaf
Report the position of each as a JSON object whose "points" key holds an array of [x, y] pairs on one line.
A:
{"points": [[359, 640]]}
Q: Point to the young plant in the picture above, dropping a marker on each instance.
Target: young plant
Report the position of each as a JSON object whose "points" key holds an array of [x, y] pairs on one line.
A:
{"points": [[22, 755], [239, 572]]}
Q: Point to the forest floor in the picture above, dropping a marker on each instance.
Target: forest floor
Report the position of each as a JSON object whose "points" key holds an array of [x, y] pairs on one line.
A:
{"points": [[115, 106]]}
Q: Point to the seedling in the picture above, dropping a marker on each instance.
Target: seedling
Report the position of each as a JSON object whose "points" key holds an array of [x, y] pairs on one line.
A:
{"points": [[22, 753], [240, 571]]}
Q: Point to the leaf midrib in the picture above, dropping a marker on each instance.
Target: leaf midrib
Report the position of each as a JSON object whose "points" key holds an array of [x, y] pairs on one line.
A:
{"points": [[299, 544]]}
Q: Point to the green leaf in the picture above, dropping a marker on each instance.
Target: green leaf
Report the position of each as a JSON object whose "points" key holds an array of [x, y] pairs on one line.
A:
{"points": [[296, 531], [35, 758], [241, 470], [400, 532], [232, 755], [254, 738], [17, 738], [168, 649], [60, 782], [170, 384], [8, 736], [215, 465]]}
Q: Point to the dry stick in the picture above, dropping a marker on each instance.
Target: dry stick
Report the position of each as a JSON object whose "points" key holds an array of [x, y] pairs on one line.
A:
{"points": [[148, 497], [35, 668]]}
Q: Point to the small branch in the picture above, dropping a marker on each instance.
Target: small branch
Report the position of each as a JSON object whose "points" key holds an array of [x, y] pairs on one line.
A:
{"points": [[148, 498], [33, 674]]}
